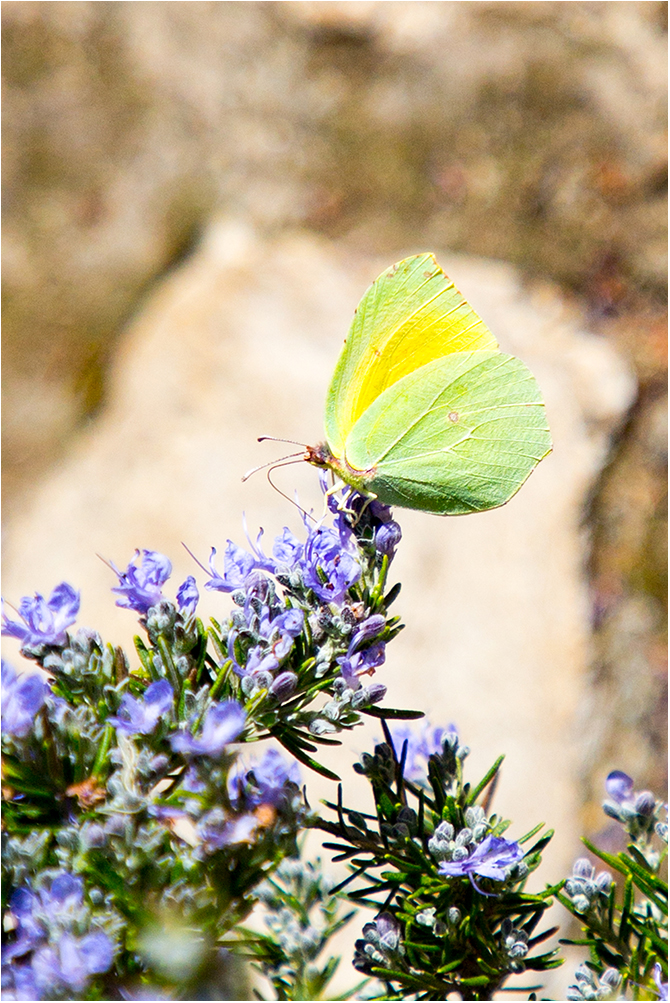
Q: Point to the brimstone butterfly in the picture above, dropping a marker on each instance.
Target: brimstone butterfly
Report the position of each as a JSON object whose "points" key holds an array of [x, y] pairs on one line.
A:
{"points": [[424, 410]]}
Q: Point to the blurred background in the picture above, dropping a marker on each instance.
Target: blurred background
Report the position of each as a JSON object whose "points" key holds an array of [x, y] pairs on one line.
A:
{"points": [[196, 195]]}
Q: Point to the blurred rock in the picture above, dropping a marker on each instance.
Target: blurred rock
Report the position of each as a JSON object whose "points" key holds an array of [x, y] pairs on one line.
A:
{"points": [[241, 340]]}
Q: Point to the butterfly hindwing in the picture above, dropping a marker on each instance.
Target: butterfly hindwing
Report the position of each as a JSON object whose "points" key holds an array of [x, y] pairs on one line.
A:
{"points": [[460, 434]]}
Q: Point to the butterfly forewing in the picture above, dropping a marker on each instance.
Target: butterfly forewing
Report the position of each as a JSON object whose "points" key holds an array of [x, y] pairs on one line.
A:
{"points": [[460, 434], [411, 315]]}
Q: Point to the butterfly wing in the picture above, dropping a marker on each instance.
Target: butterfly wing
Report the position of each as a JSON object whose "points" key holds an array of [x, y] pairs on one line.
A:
{"points": [[461, 434], [411, 315]]}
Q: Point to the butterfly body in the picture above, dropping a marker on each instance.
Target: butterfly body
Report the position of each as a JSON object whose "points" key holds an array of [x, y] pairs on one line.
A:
{"points": [[424, 411]]}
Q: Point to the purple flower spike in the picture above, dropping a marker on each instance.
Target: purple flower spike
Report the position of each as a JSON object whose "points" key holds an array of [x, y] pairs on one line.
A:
{"points": [[492, 858], [222, 724], [619, 786], [187, 597], [45, 621], [140, 717], [140, 587], [22, 699]]}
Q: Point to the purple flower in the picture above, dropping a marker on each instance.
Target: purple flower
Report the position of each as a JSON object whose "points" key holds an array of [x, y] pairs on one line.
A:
{"points": [[45, 621], [192, 782], [72, 961], [423, 741], [287, 551], [223, 723], [18, 982], [360, 663], [140, 587], [291, 622], [328, 569], [492, 858], [368, 629], [22, 699], [661, 987], [266, 781], [187, 597], [259, 660], [216, 829], [140, 716], [238, 565], [54, 960]]}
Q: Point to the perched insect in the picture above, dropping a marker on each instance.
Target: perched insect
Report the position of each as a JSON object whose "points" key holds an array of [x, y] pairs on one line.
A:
{"points": [[424, 411]]}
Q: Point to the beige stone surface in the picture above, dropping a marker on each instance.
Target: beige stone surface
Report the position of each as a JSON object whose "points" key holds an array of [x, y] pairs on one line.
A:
{"points": [[241, 341]]}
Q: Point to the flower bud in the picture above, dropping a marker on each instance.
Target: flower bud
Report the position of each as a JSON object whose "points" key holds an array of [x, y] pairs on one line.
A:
{"points": [[645, 803], [284, 686], [387, 537]]}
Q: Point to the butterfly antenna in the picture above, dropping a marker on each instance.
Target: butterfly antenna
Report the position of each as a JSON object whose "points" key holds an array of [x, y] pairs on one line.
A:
{"points": [[273, 438], [272, 463], [288, 463]]}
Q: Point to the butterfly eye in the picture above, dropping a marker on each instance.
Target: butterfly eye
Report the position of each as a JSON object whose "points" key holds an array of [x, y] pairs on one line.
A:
{"points": [[453, 416]]}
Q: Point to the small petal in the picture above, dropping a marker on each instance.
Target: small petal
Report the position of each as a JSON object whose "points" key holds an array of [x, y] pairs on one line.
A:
{"points": [[22, 699], [187, 597], [223, 723]]}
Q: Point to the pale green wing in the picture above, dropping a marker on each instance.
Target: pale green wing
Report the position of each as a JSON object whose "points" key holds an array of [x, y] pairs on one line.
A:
{"points": [[411, 315], [459, 435]]}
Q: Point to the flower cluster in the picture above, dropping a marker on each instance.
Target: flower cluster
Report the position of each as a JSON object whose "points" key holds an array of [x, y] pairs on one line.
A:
{"points": [[326, 585], [515, 944], [131, 776], [586, 888], [380, 946], [590, 986], [59, 944], [638, 811], [633, 933], [435, 847]]}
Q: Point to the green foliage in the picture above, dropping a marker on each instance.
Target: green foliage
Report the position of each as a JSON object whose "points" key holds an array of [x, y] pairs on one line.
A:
{"points": [[626, 929], [455, 934], [302, 915]]}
